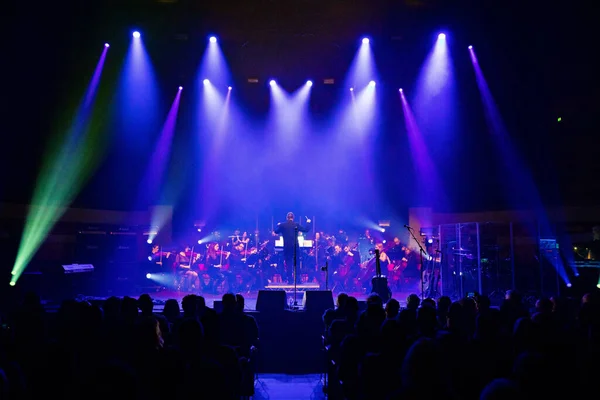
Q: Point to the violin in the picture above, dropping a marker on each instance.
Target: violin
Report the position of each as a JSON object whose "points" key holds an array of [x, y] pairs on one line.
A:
{"points": [[223, 253]]}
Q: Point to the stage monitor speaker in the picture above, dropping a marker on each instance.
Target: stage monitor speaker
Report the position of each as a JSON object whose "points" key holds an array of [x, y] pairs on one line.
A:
{"points": [[271, 301], [317, 300]]}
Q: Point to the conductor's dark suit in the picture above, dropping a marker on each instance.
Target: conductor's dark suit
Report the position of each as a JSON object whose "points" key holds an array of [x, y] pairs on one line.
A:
{"points": [[288, 230]]}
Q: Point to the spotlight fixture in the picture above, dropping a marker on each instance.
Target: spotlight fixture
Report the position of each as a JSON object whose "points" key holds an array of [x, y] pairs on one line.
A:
{"points": [[206, 81], [136, 34], [213, 39], [272, 82], [309, 83], [180, 87], [365, 41], [470, 47], [400, 90], [106, 45], [442, 36], [228, 87], [352, 89], [372, 84]]}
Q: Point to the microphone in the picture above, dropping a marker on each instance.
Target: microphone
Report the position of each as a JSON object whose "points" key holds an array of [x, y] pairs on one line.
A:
{"points": [[407, 227]]}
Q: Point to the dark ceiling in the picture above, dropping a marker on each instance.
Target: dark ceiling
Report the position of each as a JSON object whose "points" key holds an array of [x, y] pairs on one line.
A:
{"points": [[543, 61]]}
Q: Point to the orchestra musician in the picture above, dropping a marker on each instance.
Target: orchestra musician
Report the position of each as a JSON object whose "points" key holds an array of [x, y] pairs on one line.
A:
{"points": [[409, 263], [214, 260], [183, 268], [289, 231], [239, 277], [352, 263], [236, 239], [384, 259], [336, 264], [157, 256]]}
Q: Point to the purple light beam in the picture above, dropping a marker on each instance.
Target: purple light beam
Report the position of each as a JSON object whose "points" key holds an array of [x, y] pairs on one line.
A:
{"points": [[424, 165]]}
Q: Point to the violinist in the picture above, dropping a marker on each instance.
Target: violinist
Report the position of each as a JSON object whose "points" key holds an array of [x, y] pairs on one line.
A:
{"points": [[157, 256], [215, 258], [183, 268]]}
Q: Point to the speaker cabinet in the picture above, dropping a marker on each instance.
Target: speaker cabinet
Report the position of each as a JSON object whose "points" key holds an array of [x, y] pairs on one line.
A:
{"points": [[317, 301], [271, 301]]}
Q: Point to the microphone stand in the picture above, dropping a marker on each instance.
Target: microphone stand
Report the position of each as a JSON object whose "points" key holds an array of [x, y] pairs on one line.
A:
{"points": [[295, 266], [421, 251], [326, 275]]}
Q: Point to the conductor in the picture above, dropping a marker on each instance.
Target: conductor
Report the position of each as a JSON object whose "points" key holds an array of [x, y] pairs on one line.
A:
{"points": [[289, 231]]}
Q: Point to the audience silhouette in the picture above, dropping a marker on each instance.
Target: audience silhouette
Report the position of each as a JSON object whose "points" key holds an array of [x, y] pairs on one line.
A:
{"points": [[446, 350]]}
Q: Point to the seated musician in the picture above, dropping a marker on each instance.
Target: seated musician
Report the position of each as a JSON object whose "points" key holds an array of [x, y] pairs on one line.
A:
{"points": [[238, 274], [410, 265], [183, 268], [238, 238], [351, 267], [397, 249], [214, 259], [336, 265], [157, 256], [257, 262], [369, 268]]}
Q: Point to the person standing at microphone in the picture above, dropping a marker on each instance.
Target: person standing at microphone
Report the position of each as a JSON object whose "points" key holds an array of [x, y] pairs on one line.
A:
{"points": [[289, 232]]}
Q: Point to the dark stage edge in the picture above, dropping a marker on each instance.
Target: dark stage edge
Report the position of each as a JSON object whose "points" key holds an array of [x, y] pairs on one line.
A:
{"points": [[160, 296]]}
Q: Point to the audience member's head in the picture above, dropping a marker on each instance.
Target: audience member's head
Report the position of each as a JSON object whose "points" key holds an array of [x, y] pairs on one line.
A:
{"points": [[455, 316], [129, 308], [428, 302], [145, 304], [544, 306], [412, 302], [229, 303], [374, 300], [342, 300], [423, 365], [513, 296], [171, 310], [501, 389], [352, 308], [189, 304], [443, 305], [392, 308]]}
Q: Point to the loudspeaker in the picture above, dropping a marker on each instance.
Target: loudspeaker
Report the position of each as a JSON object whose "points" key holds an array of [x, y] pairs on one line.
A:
{"points": [[271, 301], [317, 300]]}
